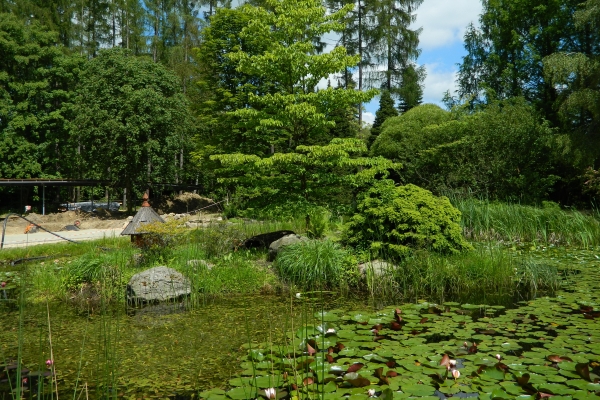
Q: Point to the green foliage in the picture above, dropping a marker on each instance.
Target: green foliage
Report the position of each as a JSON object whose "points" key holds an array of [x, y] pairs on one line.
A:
{"points": [[393, 221], [317, 222], [401, 137], [502, 151], [294, 112], [90, 269], [516, 223], [36, 86], [312, 265], [218, 239], [334, 172], [133, 120], [386, 110]]}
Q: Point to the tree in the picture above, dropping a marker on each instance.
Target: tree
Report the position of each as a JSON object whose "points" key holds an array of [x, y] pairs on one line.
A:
{"points": [[132, 120], [335, 172], [36, 84], [394, 44], [295, 112], [505, 55], [577, 74], [411, 91], [385, 111]]}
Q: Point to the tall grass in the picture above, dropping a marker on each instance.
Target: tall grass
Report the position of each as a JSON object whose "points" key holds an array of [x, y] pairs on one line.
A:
{"points": [[487, 274], [312, 265], [491, 221]]}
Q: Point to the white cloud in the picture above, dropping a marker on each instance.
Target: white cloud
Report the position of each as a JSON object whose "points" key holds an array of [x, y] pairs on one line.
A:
{"points": [[444, 21], [368, 118], [437, 82]]}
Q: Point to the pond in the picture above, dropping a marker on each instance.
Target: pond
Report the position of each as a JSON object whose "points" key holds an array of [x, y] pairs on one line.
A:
{"points": [[320, 346]]}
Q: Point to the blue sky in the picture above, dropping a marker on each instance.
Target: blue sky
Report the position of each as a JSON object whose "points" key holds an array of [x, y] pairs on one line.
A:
{"points": [[441, 42]]}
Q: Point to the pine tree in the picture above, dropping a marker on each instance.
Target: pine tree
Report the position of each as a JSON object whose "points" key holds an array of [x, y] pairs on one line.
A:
{"points": [[394, 44], [411, 91], [385, 111]]}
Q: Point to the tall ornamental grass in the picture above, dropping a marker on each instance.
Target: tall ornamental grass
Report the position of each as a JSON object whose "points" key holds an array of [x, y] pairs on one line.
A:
{"points": [[312, 265], [483, 220]]}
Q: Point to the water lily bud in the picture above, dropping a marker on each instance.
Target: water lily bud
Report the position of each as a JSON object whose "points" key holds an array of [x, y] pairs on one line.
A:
{"points": [[452, 362], [499, 357], [455, 374], [2, 284], [466, 345], [371, 392], [270, 393], [49, 363], [298, 295]]}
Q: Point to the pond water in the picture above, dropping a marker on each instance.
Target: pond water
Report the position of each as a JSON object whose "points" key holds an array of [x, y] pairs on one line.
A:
{"points": [[305, 346]]}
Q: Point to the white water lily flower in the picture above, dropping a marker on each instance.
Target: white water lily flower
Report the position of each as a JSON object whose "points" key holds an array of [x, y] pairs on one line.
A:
{"points": [[452, 362], [298, 295], [371, 392], [270, 393], [499, 357], [330, 330]]}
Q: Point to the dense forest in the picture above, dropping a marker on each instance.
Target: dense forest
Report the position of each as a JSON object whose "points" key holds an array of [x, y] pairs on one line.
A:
{"points": [[261, 102]]}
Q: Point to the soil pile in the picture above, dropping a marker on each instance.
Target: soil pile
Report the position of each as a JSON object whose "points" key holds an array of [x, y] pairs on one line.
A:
{"points": [[184, 203]]}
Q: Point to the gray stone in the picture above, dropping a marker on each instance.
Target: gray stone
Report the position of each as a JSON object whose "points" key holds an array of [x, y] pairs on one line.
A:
{"points": [[376, 267], [157, 284], [277, 245], [201, 264]]}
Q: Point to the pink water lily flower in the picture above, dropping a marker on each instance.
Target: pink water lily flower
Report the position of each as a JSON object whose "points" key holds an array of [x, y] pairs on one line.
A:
{"points": [[49, 363], [455, 374], [2, 284]]}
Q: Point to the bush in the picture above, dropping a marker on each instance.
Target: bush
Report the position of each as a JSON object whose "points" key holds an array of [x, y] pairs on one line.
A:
{"points": [[312, 264], [392, 221], [503, 151]]}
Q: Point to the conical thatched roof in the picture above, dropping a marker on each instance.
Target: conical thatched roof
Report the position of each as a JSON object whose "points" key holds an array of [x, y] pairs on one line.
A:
{"points": [[144, 216]]}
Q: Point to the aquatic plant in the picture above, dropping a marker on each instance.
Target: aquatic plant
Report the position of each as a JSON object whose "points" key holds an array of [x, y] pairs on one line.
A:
{"points": [[515, 223]]}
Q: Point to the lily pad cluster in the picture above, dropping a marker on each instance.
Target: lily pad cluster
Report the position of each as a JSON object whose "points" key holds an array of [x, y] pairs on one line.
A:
{"points": [[548, 347]]}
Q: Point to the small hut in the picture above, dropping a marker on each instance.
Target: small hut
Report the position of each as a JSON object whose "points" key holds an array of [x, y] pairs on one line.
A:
{"points": [[144, 216]]}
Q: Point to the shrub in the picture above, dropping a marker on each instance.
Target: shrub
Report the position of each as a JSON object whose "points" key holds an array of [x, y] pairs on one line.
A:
{"points": [[218, 239], [312, 264], [394, 220]]}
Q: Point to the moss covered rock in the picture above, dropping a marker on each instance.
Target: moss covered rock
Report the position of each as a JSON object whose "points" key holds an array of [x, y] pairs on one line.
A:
{"points": [[393, 220]]}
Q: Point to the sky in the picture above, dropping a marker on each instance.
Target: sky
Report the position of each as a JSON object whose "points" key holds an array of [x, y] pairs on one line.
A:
{"points": [[441, 42]]}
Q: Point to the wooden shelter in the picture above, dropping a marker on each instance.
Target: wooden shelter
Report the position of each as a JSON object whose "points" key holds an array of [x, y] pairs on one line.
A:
{"points": [[144, 216]]}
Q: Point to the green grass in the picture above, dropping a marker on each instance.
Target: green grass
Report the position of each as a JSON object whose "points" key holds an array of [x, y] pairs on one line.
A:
{"points": [[487, 274], [312, 265], [490, 221]]}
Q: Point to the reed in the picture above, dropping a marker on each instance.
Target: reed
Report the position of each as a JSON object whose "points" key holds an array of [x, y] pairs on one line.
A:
{"points": [[515, 223]]}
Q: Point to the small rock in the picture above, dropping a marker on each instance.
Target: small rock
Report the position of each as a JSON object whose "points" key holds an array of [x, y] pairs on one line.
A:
{"points": [[277, 245], [193, 224], [378, 267], [219, 218]]}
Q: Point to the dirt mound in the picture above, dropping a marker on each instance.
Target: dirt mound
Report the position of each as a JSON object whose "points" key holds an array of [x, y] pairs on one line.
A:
{"points": [[184, 203]]}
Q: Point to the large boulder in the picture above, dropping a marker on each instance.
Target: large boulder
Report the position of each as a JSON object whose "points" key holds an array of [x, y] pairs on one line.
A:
{"points": [[277, 245], [157, 284], [263, 240]]}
